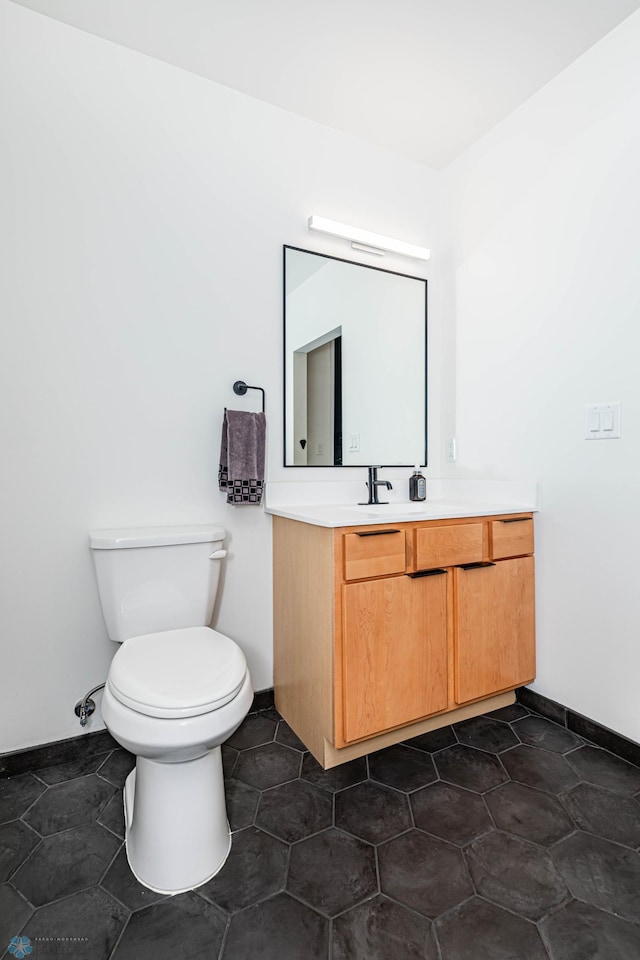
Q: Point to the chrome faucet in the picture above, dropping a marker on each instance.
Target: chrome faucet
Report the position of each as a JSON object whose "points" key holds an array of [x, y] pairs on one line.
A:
{"points": [[373, 483]]}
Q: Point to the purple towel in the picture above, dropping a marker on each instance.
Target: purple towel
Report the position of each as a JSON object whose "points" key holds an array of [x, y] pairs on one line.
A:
{"points": [[241, 471]]}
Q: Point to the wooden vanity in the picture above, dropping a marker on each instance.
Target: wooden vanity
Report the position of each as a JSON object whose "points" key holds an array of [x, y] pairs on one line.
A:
{"points": [[383, 631]]}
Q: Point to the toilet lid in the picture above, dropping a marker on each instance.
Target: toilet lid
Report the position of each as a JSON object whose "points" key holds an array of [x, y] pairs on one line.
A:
{"points": [[177, 673]]}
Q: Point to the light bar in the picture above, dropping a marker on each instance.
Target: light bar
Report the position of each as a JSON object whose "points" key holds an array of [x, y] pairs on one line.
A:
{"points": [[364, 238]]}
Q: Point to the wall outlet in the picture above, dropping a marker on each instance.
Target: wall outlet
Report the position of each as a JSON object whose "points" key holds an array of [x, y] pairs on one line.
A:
{"points": [[451, 450]]}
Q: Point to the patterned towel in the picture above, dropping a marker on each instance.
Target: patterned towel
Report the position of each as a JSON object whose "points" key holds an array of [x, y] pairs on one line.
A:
{"points": [[241, 472]]}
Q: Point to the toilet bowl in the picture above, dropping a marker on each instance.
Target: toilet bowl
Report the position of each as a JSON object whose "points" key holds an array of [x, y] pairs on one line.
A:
{"points": [[172, 697]]}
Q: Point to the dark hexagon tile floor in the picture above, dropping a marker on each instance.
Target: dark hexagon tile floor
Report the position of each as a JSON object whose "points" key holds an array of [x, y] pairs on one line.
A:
{"points": [[503, 837], [538, 732], [601, 873], [581, 932], [17, 794], [372, 812], [402, 767], [598, 766], [424, 873], [380, 929], [450, 813], [309, 810], [478, 929], [91, 917], [332, 871], [277, 929], [530, 814], [539, 768], [471, 768], [487, 734], [255, 869], [69, 804], [516, 874], [600, 811]]}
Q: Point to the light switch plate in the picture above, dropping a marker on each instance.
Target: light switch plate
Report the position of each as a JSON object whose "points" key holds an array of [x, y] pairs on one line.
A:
{"points": [[602, 421]]}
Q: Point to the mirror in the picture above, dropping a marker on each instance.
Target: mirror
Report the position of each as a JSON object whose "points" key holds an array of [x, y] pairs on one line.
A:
{"points": [[355, 367]]}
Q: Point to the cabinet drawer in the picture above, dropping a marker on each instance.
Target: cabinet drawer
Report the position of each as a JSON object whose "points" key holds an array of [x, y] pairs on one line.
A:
{"points": [[374, 553], [448, 545], [511, 538]]}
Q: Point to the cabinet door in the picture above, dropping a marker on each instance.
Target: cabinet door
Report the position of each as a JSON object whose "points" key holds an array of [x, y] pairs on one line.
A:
{"points": [[394, 649], [494, 633]]}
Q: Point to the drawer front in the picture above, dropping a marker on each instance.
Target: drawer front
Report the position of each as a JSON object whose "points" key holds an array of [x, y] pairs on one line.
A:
{"points": [[511, 537], [374, 553], [448, 546]]}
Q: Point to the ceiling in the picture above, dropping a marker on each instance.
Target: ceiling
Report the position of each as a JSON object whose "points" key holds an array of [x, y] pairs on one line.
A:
{"points": [[423, 78]]}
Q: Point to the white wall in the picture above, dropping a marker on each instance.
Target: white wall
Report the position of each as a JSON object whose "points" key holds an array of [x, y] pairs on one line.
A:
{"points": [[546, 214], [146, 210]]}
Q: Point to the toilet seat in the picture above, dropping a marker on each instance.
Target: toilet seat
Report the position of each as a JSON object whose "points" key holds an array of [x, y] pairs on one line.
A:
{"points": [[177, 673]]}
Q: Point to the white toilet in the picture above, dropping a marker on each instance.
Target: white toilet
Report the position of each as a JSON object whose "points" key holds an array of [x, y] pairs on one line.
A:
{"points": [[175, 692]]}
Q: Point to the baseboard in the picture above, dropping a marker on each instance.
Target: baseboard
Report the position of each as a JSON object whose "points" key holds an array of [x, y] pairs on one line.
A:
{"points": [[603, 737], [51, 754], [262, 700], [86, 745], [91, 744]]}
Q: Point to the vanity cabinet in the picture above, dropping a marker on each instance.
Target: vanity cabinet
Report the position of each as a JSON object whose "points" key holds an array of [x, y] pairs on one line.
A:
{"points": [[385, 631]]}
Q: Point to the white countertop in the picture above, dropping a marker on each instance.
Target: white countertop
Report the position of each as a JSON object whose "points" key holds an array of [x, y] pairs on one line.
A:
{"points": [[350, 514]]}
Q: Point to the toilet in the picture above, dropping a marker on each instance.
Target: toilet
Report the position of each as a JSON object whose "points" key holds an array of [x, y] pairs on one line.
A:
{"points": [[176, 691]]}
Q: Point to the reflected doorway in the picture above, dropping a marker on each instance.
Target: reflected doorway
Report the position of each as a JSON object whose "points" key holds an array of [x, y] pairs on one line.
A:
{"points": [[317, 387]]}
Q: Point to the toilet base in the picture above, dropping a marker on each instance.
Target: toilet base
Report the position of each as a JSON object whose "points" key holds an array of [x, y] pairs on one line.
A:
{"points": [[176, 831]]}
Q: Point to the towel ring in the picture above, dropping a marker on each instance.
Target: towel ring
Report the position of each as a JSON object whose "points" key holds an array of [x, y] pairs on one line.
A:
{"points": [[240, 388]]}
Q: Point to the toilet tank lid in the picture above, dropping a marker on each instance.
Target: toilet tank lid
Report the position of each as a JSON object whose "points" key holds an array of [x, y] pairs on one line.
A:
{"points": [[118, 538]]}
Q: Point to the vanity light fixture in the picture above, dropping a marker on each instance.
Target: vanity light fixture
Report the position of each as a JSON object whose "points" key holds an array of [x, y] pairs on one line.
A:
{"points": [[367, 241]]}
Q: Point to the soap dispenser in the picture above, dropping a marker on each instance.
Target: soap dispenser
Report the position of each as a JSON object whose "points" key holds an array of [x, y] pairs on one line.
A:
{"points": [[417, 485]]}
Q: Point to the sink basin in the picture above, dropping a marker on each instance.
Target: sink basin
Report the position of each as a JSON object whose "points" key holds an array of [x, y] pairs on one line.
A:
{"points": [[384, 510]]}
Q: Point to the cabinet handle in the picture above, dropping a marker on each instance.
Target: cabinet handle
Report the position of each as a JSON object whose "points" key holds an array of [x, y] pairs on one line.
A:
{"points": [[476, 566], [376, 533], [516, 520], [426, 573]]}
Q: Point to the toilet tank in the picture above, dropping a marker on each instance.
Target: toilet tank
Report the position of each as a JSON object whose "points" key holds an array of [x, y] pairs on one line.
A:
{"points": [[157, 578]]}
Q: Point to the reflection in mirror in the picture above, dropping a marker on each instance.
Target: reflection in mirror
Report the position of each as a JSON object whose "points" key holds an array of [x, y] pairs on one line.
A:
{"points": [[355, 363]]}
